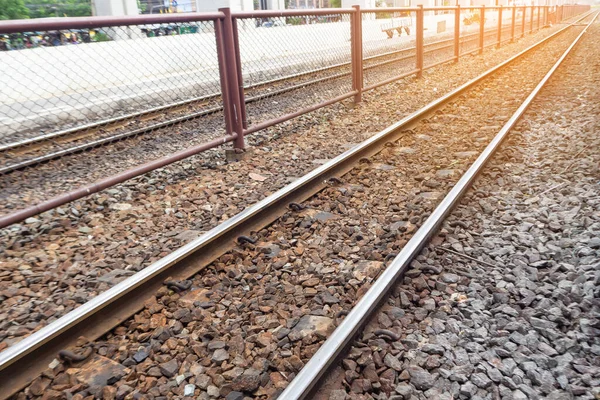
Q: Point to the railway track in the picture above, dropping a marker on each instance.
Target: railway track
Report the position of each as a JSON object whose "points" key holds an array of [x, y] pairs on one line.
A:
{"points": [[23, 361], [39, 149]]}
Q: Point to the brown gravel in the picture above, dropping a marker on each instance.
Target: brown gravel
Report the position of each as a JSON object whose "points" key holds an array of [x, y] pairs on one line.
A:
{"points": [[259, 312]]}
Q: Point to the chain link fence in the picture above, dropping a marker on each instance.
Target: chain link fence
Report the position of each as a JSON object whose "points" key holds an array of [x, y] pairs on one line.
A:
{"points": [[67, 89], [438, 37], [388, 40], [293, 62], [469, 30], [490, 38]]}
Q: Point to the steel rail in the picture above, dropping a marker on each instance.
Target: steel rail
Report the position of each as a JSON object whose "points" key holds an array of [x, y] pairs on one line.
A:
{"points": [[22, 362], [153, 110], [102, 123], [313, 371]]}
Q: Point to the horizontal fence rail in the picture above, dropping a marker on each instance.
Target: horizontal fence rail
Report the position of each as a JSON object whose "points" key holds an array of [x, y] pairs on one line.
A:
{"points": [[76, 83]]}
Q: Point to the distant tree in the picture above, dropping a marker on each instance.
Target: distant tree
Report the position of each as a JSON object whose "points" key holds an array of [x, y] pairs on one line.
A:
{"points": [[13, 9], [142, 7], [58, 8], [336, 3]]}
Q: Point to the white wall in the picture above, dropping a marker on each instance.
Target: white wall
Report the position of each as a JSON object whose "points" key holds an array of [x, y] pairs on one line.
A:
{"points": [[361, 3], [114, 7], [275, 4], [235, 5]]}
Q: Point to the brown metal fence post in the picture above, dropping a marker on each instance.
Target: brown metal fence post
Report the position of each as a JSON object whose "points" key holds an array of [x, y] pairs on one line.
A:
{"points": [[420, 29], [499, 26], [523, 23], [457, 33], [512, 28], [481, 28], [356, 51], [531, 20], [238, 63], [227, 113], [559, 14], [231, 72]]}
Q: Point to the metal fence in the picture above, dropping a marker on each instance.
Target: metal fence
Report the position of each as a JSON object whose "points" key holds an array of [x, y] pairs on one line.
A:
{"points": [[71, 84], [81, 77], [286, 65], [387, 45]]}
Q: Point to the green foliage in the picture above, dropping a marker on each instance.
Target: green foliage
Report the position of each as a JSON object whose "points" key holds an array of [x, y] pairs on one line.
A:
{"points": [[58, 8], [383, 15], [101, 37], [336, 3], [294, 21], [13, 9]]}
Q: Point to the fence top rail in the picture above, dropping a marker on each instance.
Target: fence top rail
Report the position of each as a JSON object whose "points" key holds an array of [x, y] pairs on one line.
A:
{"points": [[291, 13], [56, 24]]}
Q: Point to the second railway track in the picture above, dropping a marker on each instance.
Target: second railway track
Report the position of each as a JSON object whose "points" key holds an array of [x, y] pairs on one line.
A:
{"points": [[299, 276]]}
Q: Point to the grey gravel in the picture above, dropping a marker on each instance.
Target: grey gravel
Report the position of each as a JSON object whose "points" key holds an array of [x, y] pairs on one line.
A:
{"points": [[519, 318]]}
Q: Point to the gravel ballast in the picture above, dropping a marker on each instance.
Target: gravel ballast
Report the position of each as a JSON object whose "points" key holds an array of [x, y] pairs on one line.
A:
{"points": [[254, 317], [503, 303], [58, 260]]}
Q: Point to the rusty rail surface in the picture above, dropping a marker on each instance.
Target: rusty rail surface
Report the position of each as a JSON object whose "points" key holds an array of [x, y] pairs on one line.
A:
{"points": [[226, 32]]}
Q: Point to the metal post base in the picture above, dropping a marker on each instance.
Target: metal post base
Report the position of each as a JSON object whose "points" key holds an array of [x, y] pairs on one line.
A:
{"points": [[237, 154]]}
